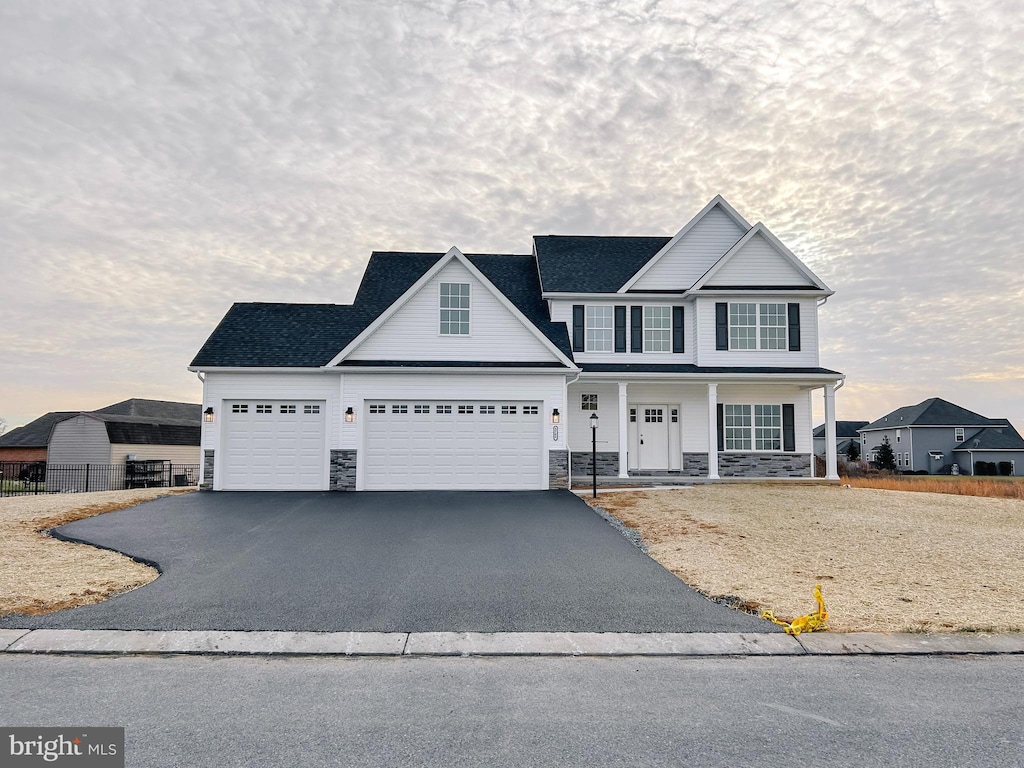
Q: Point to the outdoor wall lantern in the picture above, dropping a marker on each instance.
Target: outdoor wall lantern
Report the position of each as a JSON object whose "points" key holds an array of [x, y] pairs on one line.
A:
{"points": [[555, 418], [208, 415], [350, 415]]}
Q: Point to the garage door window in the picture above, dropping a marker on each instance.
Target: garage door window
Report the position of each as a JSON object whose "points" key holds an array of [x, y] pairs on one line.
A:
{"points": [[443, 409], [239, 408], [264, 408], [399, 408], [287, 409], [487, 409], [508, 410], [377, 409], [464, 409]]}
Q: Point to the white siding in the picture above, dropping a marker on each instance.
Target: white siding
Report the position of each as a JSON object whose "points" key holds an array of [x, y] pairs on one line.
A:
{"points": [[176, 454], [758, 263], [79, 440], [580, 435], [561, 312], [693, 254], [707, 355], [413, 332]]}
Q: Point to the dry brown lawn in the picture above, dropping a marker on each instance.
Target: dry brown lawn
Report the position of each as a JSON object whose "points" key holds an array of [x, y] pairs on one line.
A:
{"points": [[39, 574], [887, 560]]}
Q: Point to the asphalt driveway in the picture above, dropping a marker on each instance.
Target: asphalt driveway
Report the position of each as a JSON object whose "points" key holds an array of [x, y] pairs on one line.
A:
{"points": [[392, 562]]}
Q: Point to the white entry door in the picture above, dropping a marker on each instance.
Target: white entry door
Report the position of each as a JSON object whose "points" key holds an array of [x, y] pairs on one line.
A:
{"points": [[467, 445], [652, 433], [273, 445]]}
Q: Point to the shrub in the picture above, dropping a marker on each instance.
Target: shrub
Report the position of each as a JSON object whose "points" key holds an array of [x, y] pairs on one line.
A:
{"points": [[1005, 468], [981, 467]]}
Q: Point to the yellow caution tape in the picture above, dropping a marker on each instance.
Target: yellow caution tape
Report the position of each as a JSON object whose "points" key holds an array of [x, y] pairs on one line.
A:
{"points": [[809, 623]]}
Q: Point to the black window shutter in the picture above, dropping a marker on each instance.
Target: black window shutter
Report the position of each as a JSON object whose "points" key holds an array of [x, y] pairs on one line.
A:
{"points": [[794, 327], [636, 343], [721, 427], [788, 431], [578, 330], [620, 329], [678, 335], [721, 325]]}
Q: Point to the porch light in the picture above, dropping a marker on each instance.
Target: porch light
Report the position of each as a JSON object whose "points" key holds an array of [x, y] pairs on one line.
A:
{"points": [[555, 417], [208, 415], [350, 415], [593, 421], [593, 449]]}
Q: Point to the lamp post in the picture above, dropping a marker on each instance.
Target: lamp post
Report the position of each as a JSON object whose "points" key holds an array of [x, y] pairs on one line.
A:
{"points": [[593, 448]]}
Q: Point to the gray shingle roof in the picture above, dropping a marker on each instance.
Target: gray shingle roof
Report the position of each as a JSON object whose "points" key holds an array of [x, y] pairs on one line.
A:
{"points": [[843, 429], [155, 409], [697, 369], [932, 412], [36, 433], [577, 264], [310, 335], [993, 439]]}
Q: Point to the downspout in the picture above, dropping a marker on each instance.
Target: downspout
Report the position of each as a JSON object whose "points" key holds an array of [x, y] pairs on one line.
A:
{"points": [[568, 450]]}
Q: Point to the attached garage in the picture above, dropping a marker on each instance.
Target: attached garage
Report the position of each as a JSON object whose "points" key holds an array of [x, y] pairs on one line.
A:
{"points": [[276, 445], [454, 445]]}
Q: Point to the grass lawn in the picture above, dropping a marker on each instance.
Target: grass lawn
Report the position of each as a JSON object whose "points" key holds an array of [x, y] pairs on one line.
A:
{"points": [[39, 574], [888, 561], [963, 485]]}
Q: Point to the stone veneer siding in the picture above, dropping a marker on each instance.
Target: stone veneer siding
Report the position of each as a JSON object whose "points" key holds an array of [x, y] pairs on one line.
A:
{"points": [[558, 469], [343, 470], [695, 465], [207, 471], [764, 465], [607, 463]]}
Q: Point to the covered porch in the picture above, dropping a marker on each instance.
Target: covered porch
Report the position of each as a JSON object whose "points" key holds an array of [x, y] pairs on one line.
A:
{"points": [[658, 429]]}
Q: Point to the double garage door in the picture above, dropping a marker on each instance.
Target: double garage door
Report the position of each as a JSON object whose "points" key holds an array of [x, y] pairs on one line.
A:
{"points": [[408, 445]]}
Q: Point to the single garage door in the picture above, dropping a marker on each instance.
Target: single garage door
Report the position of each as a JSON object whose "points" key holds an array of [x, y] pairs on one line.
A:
{"points": [[274, 445], [468, 445]]}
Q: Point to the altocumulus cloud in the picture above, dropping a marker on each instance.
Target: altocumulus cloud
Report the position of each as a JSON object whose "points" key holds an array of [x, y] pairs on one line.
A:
{"points": [[161, 160]]}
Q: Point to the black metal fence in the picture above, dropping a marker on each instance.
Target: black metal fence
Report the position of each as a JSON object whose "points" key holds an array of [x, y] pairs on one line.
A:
{"points": [[25, 478]]}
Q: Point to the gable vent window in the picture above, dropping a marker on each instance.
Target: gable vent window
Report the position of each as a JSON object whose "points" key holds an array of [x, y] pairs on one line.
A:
{"points": [[239, 408], [529, 410], [377, 408], [487, 409], [307, 409], [264, 408], [399, 408], [421, 409], [465, 409], [508, 410], [757, 326], [454, 309], [442, 409], [657, 329], [600, 329], [588, 402]]}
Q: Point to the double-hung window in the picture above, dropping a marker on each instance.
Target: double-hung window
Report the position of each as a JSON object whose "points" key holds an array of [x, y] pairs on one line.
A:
{"points": [[768, 427], [600, 329], [757, 326], [657, 329], [454, 304], [737, 427], [752, 427]]}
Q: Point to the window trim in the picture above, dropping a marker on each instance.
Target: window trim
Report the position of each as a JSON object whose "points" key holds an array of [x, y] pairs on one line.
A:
{"points": [[748, 435], [758, 326], [467, 309], [958, 434], [668, 331], [589, 405], [587, 328]]}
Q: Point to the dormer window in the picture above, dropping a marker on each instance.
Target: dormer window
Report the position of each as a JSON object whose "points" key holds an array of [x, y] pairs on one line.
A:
{"points": [[454, 305], [600, 329]]}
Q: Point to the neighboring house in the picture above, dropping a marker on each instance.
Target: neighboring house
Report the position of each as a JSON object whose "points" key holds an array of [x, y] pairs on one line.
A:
{"points": [[936, 434], [846, 432], [28, 443], [698, 352], [141, 429]]}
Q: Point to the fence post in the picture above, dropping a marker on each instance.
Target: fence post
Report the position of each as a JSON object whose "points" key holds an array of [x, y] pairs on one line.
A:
{"points": [[86, 478]]}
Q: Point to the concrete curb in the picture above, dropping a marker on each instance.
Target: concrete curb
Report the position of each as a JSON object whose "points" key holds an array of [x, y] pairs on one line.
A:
{"points": [[239, 643]]}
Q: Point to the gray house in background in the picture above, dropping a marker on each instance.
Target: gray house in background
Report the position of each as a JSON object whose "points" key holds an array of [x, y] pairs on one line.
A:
{"points": [[846, 433], [935, 434]]}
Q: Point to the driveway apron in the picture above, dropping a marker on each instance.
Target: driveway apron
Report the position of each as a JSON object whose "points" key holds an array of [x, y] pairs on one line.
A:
{"points": [[530, 561]]}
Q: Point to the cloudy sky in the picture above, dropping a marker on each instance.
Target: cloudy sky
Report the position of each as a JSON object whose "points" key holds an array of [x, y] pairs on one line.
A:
{"points": [[160, 160]]}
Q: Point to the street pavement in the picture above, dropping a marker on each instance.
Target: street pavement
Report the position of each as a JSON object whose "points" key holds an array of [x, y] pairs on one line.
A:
{"points": [[749, 711], [538, 561]]}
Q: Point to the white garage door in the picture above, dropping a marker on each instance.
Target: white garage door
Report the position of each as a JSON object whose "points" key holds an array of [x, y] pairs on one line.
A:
{"points": [[273, 445], [470, 445]]}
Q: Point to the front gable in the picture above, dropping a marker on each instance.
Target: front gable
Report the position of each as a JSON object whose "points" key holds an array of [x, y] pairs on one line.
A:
{"points": [[692, 251], [759, 260], [410, 330]]}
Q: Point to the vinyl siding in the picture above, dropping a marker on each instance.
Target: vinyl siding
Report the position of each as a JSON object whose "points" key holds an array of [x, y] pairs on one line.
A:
{"points": [[707, 355], [561, 312], [758, 263], [768, 394], [413, 332], [176, 454], [79, 440], [693, 255]]}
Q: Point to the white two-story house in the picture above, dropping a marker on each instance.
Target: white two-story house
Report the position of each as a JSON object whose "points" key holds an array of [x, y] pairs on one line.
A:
{"points": [[698, 353]]}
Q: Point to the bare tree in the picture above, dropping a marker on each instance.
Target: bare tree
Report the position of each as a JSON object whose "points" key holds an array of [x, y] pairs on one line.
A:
{"points": [[3, 425]]}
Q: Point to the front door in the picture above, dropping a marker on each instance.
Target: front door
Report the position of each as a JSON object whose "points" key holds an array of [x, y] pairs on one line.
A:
{"points": [[652, 428]]}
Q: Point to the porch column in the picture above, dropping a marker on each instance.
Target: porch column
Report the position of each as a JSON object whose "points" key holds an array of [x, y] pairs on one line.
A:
{"points": [[623, 430], [831, 467], [712, 431]]}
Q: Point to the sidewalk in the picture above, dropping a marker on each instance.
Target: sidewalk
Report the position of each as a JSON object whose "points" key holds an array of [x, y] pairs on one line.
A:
{"points": [[218, 643]]}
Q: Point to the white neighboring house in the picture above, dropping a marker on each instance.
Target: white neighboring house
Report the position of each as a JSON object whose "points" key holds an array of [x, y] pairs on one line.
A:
{"points": [[698, 352]]}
